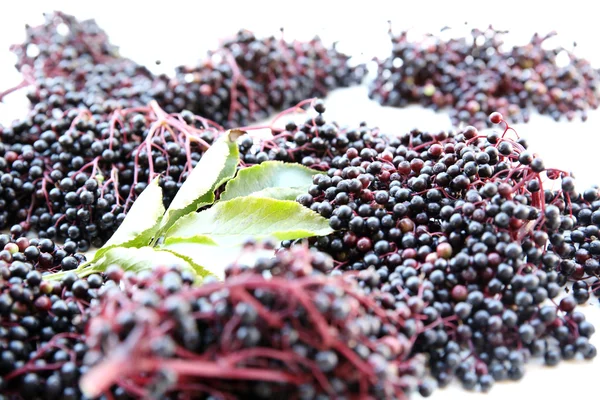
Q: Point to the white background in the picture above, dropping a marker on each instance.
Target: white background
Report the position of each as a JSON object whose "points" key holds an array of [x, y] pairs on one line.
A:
{"points": [[179, 32]]}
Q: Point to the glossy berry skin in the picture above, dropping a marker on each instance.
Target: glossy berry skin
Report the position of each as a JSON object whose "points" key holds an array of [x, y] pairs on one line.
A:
{"points": [[496, 118]]}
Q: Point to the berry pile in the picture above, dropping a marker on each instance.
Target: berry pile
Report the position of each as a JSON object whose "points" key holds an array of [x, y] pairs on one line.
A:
{"points": [[314, 143], [41, 255], [476, 76], [247, 79], [296, 333], [460, 226], [76, 175], [580, 249], [449, 257], [72, 64], [95, 137], [51, 47], [41, 323]]}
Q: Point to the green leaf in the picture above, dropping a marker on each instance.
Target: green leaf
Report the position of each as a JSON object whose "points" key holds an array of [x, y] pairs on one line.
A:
{"points": [[216, 166], [273, 179], [141, 223], [135, 259], [231, 222], [198, 239], [214, 258], [280, 193], [145, 258]]}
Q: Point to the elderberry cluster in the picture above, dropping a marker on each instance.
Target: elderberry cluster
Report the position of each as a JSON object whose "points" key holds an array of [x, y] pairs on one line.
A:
{"points": [[459, 226], [71, 64], [75, 176], [248, 78], [41, 323], [41, 255], [475, 76], [292, 332], [314, 143], [577, 253]]}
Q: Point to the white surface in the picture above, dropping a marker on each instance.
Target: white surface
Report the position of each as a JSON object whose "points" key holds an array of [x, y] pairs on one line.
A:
{"points": [[178, 32]]}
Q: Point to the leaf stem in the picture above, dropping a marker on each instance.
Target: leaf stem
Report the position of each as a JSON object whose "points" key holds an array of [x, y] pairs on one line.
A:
{"points": [[81, 271]]}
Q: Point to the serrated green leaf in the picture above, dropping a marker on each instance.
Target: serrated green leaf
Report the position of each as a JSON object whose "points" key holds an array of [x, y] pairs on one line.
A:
{"points": [[214, 258], [233, 221], [141, 222], [216, 166], [273, 179]]}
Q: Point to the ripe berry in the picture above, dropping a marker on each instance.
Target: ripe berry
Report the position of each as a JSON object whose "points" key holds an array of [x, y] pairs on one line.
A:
{"points": [[496, 118]]}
